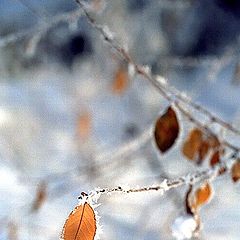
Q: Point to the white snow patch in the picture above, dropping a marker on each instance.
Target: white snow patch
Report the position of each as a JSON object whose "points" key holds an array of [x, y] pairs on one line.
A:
{"points": [[183, 227]]}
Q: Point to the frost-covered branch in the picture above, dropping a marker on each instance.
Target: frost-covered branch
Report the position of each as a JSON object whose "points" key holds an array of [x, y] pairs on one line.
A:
{"points": [[168, 184], [170, 93]]}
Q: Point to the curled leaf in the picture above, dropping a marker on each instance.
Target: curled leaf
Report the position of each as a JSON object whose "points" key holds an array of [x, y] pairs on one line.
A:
{"points": [[81, 224], [188, 202], [236, 171], [193, 143], [198, 145], [215, 159], [166, 130]]}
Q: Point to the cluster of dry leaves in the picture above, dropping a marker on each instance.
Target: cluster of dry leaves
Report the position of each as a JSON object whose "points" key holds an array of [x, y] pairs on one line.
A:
{"points": [[197, 147], [81, 223]]}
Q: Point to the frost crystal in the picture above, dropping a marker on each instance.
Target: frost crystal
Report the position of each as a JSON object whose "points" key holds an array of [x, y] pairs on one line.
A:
{"points": [[147, 69], [185, 96], [184, 227], [163, 187], [131, 70], [108, 34], [161, 80]]}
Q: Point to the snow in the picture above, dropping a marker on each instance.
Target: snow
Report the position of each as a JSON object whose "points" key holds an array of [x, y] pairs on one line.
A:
{"points": [[183, 227]]}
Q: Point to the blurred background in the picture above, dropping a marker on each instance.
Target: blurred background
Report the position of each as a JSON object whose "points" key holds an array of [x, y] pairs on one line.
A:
{"points": [[73, 119]]}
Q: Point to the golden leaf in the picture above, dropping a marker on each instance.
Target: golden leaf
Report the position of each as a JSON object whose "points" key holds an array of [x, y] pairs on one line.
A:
{"points": [[81, 224], [193, 143], [203, 151], [203, 194]]}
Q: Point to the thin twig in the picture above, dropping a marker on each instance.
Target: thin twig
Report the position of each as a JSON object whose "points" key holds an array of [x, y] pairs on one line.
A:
{"points": [[167, 184], [34, 11], [102, 159], [41, 28], [171, 94], [209, 60]]}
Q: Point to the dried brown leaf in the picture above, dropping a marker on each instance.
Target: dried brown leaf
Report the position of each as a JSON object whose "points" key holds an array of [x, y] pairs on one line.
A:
{"points": [[215, 158], [81, 224], [203, 151], [193, 143], [40, 197], [236, 171], [166, 130], [120, 82], [189, 209]]}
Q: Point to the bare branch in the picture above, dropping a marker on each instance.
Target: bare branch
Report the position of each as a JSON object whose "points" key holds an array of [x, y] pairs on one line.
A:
{"points": [[41, 28]]}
